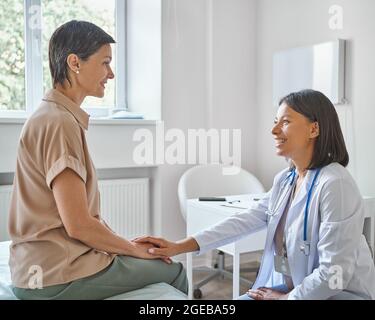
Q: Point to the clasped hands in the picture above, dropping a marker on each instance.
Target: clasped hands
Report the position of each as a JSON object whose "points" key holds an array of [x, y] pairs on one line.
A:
{"points": [[156, 248]]}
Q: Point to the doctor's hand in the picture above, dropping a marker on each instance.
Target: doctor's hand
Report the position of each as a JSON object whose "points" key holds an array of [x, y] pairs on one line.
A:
{"points": [[140, 250], [159, 246], [267, 294]]}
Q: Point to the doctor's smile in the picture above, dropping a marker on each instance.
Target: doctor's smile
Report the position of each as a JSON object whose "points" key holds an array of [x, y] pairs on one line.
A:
{"points": [[279, 142]]}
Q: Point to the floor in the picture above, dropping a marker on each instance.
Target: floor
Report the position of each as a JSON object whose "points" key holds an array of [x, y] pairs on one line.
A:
{"points": [[221, 288]]}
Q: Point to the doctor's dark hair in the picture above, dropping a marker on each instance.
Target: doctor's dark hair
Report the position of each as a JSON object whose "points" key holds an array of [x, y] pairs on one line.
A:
{"points": [[74, 37], [316, 107]]}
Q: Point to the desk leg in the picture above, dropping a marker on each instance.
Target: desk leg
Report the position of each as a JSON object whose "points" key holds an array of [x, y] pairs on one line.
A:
{"points": [[189, 271], [372, 235], [236, 275]]}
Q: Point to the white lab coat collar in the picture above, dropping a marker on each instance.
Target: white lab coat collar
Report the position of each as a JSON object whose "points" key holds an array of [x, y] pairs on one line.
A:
{"points": [[306, 184]]}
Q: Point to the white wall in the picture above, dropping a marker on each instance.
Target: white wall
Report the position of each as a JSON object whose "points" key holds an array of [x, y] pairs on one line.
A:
{"points": [[286, 24], [208, 81], [9, 136]]}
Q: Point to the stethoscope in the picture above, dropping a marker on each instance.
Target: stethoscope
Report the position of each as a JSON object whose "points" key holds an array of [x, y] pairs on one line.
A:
{"points": [[305, 248]]}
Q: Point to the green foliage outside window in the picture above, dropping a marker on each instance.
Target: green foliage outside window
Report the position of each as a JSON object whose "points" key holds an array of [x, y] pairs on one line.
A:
{"points": [[12, 45], [12, 55]]}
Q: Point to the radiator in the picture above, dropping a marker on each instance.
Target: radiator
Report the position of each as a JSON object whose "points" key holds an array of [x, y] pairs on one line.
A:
{"points": [[124, 206]]}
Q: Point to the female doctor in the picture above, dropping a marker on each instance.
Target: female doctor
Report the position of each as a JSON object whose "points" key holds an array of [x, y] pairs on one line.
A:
{"points": [[314, 214]]}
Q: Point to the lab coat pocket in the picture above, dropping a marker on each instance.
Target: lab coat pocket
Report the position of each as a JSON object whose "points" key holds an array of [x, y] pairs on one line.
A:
{"points": [[338, 242], [337, 231]]}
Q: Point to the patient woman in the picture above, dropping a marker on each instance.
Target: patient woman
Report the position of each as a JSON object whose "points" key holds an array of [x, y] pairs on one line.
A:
{"points": [[60, 245], [314, 214]]}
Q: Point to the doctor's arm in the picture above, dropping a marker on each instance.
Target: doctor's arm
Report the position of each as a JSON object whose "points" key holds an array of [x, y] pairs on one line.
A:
{"points": [[234, 227], [341, 211], [224, 232]]}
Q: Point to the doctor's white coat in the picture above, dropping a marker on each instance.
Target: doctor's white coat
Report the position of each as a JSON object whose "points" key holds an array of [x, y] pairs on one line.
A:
{"points": [[339, 259]]}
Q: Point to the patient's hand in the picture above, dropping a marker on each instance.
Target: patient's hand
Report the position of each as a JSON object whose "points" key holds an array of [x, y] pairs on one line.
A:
{"points": [[141, 250], [159, 246]]}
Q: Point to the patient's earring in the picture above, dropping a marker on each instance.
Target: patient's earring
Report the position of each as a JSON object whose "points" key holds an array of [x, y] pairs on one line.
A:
{"points": [[77, 72]]}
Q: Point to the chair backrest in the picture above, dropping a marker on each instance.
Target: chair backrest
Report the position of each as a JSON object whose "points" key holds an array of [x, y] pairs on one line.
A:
{"points": [[209, 181]]}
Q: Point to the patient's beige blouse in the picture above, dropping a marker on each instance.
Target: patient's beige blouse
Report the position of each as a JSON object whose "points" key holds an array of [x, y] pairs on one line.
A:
{"points": [[52, 140]]}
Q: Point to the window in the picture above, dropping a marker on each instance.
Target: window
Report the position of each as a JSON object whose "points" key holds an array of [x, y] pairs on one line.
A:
{"points": [[12, 59], [57, 12], [24, 68]]}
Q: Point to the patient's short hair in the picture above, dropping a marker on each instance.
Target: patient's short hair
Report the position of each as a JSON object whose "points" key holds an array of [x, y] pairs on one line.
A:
{"points": [[316, 107], [78, 37]]}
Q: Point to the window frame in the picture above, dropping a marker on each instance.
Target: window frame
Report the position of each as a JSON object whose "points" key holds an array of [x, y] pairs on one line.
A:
{"points": [[34, 61]]}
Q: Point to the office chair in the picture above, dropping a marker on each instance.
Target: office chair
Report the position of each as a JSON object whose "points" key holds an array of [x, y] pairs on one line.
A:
{"points": [[209, 180]]}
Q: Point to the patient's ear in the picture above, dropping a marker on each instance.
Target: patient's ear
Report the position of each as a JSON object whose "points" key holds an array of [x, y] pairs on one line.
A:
{"points": [[314, 133], [73, 62]]}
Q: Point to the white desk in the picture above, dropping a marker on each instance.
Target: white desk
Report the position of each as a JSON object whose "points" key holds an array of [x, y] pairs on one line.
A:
{"points": [[201, 215]]}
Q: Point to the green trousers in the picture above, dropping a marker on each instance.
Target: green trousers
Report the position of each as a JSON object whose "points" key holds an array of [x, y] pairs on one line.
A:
{"points": [[124, 274]]}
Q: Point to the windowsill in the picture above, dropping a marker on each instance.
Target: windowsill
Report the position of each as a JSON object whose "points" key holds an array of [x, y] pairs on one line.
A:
{"points": [[13, 120], [129, 122], [93, 121]]}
